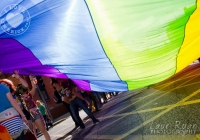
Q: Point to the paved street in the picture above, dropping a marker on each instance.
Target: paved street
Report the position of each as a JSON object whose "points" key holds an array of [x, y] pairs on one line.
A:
{"points": [[169, 110]]}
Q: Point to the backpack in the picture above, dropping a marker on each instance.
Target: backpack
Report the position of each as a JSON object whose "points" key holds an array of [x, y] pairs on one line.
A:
{"points": [[56, 97]]}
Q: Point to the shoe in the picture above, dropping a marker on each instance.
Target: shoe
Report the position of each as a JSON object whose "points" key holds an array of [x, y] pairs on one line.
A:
{"points": [[50, 124], [76, 126], [79, 129], [96, 122]]}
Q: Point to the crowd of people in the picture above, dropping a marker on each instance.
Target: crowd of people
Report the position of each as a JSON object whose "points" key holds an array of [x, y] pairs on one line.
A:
{"points": [[21, 115], [18, 110]]}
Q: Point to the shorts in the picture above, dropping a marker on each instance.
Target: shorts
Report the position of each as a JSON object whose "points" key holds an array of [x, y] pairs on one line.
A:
{"points": [[37, 116]]}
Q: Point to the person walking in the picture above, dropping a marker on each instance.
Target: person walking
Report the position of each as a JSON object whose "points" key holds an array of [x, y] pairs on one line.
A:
{"points": [[30, 105], [65, 100], [70, 89]]}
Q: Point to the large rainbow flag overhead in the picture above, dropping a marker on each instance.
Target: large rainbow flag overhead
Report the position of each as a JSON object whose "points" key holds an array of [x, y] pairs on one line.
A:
{"points": [[103, 45]]}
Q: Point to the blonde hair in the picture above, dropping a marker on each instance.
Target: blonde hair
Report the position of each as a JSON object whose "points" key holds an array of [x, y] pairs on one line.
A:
{"points": [[38, 101]]}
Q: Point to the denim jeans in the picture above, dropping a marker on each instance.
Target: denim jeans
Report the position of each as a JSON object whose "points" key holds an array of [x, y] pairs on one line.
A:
{"points": [[70, 112], [75, 105]]}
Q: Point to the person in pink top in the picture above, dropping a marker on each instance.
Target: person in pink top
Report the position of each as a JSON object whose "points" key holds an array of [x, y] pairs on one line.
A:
{"points": [[30, 105]]}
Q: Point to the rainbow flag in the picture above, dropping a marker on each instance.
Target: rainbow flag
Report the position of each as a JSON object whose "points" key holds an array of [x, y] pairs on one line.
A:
{"points": [[103, 45]]}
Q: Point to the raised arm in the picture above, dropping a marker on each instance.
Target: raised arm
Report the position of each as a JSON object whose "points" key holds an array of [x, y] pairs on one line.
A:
{"points": [[22, 81], [33, 90]]}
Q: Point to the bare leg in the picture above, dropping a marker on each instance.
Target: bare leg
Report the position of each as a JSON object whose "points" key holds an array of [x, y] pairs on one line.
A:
{"points": [[34, 129], [41, 126]]}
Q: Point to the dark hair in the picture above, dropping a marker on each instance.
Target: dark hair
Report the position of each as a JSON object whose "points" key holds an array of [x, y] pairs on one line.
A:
{"points": [[65, 83], [21, 90], [68, 84], [53, 81], [10, 84]]}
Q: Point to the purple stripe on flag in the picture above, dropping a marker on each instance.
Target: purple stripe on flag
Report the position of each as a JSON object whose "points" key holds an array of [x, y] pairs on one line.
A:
{"points": [[15, 56]]}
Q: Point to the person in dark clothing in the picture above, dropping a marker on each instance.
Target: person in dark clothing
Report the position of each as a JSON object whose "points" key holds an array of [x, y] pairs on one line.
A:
{"points": [[70, 89], [67, 105], [65, 101]]}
